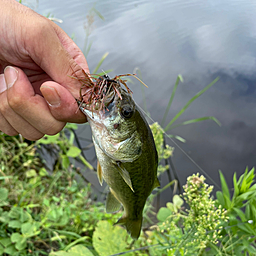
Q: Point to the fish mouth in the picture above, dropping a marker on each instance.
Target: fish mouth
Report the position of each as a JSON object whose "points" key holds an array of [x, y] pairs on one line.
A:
{"points": [[98, 104]]}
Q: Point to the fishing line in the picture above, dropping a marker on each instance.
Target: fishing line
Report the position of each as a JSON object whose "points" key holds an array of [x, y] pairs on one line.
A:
{"points": [[179, 147]]}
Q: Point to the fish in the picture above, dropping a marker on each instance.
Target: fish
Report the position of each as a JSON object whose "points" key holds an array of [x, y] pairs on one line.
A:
{"points": [[125, 150]]}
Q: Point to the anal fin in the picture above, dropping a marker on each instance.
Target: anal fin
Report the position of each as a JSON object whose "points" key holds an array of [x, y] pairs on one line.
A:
{"points": [[112, 204]]}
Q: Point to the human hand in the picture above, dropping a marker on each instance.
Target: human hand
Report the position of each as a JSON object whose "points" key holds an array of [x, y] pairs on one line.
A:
{"points": [[37, 63]]}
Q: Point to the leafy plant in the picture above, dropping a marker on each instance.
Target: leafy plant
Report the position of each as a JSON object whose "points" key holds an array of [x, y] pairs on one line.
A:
{"points": [[239, 232], [41, 211]]}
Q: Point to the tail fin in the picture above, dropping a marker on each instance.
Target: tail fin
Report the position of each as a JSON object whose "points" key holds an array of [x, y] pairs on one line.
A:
{"points": [[133, 227]]}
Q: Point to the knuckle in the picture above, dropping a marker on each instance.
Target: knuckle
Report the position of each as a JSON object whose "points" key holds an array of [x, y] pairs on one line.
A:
{"points": [[10, 131], [15, 101], [4, 108], [33, 137], [6, 128], [55, 128]]}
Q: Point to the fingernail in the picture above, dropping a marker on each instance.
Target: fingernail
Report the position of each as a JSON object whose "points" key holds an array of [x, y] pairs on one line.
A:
{"points": [[3, 86], [11, 75], [51, 96]]}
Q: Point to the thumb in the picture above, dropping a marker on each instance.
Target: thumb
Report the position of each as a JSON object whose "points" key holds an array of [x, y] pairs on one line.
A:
{"points": [[26, 111], [62, 104]]}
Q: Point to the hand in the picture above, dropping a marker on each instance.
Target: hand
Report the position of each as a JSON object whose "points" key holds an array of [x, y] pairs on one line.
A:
{"points": [[37, 63]]}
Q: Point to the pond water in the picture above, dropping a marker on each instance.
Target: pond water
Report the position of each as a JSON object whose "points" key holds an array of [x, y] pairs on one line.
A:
{"points": [[198, 39]]}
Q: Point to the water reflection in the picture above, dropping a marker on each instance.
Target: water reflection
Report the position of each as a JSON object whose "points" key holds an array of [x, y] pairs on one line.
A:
{"points": [[200, 40]]}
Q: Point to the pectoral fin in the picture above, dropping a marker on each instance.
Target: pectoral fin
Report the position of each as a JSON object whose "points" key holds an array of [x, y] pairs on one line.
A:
{"points": [[125, 175], [112, 204], [99, 173]]}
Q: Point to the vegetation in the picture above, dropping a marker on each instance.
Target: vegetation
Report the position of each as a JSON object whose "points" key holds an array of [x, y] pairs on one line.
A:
{"points": [[44, 213], [54, 211]]}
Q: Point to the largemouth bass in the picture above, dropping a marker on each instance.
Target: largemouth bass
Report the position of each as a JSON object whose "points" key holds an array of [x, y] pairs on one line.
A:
{"points": [[126, 152]]}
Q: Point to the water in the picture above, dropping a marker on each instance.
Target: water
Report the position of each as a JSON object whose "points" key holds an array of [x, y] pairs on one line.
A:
{"points": [[198, 39]]}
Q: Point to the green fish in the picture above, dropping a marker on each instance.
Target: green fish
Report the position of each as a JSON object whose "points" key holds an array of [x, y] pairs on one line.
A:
{"points": [[126, 153]]}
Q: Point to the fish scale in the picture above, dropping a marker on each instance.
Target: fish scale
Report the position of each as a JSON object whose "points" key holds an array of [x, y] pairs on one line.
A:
{"points": [[127, 156]]}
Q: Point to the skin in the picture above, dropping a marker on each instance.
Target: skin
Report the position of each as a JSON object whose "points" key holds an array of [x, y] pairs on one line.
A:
{"points": [[37, 59]]}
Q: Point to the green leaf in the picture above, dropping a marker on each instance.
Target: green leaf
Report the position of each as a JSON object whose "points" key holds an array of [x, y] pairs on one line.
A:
{"points": [[247, 212], [179, 78], [163, 213], [240, 213], [225, 190], [236, 188], [77, 241], [6, 177], [31, 173], [80, 250], [85, 162], [171, 207], [47, 139], [65, 161], [19, 240], [98, 13], [11, 250], [220, 198], [30, 229], [71, 138], [60, 253], [6, 242], [100, 62], [177, 201], [1, 249], [43, 172], [105, 72], [189, 103], [15, 212], [27, 229], [16, 237], [177, 138], [108, 239], [3, 194], [196, 121], [14, 224], [73, 151], [24, 216], [247, 228], [253, 210], [246, 196]]}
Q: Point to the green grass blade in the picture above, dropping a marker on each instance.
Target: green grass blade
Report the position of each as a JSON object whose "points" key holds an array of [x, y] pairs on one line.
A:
{"points": [[189, 102], [225, 190], [195, 121], [176, 137], [179, 78], [87, 164], [98, 13], [87, 49], [100, 62], [105, 72]]}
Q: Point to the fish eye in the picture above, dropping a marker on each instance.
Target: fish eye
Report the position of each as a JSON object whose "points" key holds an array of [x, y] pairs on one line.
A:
{"points": [[127, 112]]}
